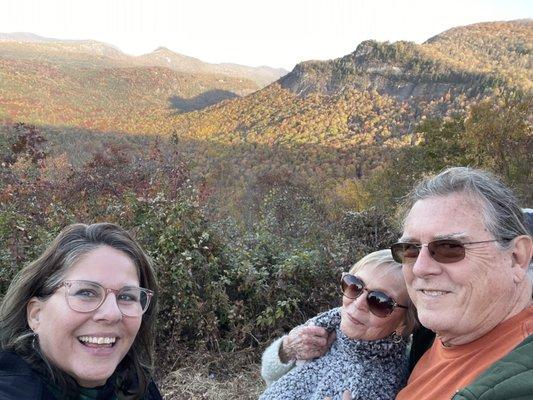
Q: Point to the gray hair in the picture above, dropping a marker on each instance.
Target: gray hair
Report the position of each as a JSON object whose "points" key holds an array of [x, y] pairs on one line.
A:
{"points": [[41, 278], [501, 214], [382, 262]]}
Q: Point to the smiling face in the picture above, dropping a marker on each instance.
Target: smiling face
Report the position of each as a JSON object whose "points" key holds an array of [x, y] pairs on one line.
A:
{"points": [[357, 322], [461, 300], [88, 346]]}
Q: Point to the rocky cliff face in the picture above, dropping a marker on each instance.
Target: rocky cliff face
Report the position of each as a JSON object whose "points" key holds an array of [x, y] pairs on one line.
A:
{"points": [[469, 60], [401, 70]]}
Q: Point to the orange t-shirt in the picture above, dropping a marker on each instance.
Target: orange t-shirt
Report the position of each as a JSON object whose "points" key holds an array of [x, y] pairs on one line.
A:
{"points": [[442, 371]]}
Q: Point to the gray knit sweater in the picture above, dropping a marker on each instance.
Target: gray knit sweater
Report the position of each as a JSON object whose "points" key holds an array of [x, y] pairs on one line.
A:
{"points": [[374, 369]]}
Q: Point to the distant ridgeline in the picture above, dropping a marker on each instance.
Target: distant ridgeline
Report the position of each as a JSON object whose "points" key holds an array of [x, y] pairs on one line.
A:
{"points": [[356, 130]]}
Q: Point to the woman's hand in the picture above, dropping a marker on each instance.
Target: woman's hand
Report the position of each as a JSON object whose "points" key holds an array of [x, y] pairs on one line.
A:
{"points": [[305, 343], [345, 396]]}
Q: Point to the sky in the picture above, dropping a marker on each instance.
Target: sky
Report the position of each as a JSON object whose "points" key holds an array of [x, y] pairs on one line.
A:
{"points": [[276, 33]]}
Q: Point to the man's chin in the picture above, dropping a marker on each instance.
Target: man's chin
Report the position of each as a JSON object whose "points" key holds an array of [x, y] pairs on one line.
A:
{"points": [[433, 321]]}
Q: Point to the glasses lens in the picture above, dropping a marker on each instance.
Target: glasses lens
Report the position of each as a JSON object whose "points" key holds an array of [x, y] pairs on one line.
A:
{"points": [[380, 304], [446, 251], [352, 286], [133, 301], [85, 296], [405, 253]]}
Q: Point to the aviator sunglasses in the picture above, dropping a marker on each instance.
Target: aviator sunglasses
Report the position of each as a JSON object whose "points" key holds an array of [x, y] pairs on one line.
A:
{"points": [[379, 303], [443, 250]]}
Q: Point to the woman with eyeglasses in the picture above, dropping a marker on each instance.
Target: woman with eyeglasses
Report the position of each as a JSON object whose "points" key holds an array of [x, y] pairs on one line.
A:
{"points": [[369, 334], [78, 322]]}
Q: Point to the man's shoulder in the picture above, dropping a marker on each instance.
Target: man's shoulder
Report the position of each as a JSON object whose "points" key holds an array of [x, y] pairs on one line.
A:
{"points": [[17, 380]]}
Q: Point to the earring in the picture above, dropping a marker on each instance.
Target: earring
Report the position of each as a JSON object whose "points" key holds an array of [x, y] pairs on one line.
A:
{"points": [[397, 338], [34, 341]]}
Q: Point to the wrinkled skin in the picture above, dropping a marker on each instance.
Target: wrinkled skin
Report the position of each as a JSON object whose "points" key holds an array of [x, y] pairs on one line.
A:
{"points": [[306, 343]]}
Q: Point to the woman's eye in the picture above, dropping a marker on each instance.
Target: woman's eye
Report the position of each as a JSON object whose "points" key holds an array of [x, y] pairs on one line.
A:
{"points": [[86, 293], [129, 297]]}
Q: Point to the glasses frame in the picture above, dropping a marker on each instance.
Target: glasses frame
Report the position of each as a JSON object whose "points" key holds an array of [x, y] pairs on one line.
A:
{"points": [[401, 246], [395, 304], [68, 283]]}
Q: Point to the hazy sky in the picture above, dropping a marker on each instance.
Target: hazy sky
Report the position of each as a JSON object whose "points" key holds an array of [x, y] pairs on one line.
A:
{"points": [[278, 33]]}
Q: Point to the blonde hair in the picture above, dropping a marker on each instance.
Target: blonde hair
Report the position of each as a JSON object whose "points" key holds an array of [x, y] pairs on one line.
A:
{"points": [[381, 262]]}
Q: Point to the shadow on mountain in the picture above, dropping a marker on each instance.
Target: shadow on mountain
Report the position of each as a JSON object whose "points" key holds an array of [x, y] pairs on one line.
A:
{"points": [[203, 100]]}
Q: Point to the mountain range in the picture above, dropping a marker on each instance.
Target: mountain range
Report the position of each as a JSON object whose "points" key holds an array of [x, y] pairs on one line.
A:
{"points": [[41, 77], [162, 57], [324, 123]]}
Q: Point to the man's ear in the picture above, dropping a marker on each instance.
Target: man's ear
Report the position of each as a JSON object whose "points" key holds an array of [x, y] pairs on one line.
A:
{"points": [[522, 253], [33, 313]]}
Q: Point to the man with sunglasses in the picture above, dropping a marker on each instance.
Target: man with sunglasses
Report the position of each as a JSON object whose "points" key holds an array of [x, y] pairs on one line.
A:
{"points": [[465, 252]]}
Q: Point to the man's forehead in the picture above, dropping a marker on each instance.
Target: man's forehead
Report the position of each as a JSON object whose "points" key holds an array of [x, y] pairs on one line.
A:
{"points": [[451, 206], [456, 216], [437, 236]]}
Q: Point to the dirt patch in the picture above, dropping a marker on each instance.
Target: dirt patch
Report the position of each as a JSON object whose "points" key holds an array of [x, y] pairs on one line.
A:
{"points": [[233, 376]]}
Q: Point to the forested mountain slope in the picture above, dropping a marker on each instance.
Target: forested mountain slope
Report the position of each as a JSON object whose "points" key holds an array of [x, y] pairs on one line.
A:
{"points": [[330, 122]]}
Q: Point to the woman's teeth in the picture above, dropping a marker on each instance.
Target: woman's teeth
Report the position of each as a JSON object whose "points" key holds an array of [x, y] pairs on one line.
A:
{"points": [[97, 340]]}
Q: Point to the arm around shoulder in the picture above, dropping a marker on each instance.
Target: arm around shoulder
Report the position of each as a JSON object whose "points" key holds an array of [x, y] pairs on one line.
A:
{"points": [[272, 368]]}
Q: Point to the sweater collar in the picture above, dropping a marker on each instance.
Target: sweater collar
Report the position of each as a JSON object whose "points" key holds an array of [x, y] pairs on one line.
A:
{"points": [[364, 349]]}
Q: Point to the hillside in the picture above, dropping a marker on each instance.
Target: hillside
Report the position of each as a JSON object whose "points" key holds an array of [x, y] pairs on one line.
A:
{"points": [[466, 60], [86, 50], [92, 85], [104, 98], [28, 45], [327, 123], [503, 49], [164, 57], [324, 125]]}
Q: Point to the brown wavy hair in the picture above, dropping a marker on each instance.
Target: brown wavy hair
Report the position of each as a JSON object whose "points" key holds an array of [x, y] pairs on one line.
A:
{"points": [[41, 278]]}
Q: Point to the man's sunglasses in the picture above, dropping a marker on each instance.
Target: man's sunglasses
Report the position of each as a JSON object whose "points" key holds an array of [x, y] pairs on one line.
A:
{"points": [[379, 303], [443, 251]]}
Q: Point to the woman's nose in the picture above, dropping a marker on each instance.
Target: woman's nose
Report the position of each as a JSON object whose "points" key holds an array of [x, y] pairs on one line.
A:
{"points": [[360, 302], [109, 310]]}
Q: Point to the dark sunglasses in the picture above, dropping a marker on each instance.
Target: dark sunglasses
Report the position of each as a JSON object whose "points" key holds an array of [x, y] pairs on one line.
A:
{"points": [[379, 303], [443, 250]]}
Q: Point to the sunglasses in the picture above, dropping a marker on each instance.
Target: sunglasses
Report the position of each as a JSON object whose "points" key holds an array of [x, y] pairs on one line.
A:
{"points": [[443, 250], [379, 303]]}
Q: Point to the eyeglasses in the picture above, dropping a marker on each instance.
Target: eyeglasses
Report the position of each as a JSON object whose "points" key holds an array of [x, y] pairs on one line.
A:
{"points": [[379, 303], [87, 296], [443, 250]]}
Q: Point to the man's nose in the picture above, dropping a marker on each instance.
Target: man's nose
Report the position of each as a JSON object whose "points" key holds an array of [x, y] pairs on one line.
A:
{"points": [[425, 264]]}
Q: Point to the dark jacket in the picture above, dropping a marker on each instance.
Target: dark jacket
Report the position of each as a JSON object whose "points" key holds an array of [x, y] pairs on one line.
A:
{"points": [[18, 381], [510, 378]]}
